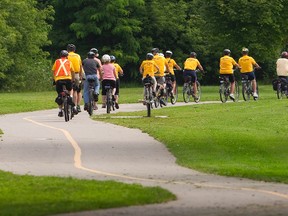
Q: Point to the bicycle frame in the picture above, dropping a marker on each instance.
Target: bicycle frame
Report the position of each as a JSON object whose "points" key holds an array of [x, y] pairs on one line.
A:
{"points": [[224, 89], [91, 103], [109, 100]]}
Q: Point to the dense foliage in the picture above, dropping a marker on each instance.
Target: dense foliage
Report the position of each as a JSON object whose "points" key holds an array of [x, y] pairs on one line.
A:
{"points": [[129, 29], [24, 31]]}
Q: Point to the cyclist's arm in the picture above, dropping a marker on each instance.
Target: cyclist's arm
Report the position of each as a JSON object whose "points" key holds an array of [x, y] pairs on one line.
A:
{"points": [[200, 67]]}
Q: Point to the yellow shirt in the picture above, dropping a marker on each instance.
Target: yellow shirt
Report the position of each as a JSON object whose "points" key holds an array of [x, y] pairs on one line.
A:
{"points": [[160, 61], [149, 67], [191, 64], [76, 61], [226, 64], [118, 70], [246, 63], [171, 64]]}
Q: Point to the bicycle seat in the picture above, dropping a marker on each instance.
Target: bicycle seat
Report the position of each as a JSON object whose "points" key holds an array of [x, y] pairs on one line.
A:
{"points": [[91, 80]]}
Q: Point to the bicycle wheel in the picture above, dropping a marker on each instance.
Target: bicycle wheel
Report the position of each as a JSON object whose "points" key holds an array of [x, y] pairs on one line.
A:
{"points": [[174, 97], [148, 99], [236, 92], [198, 93], [279, 91], [246, 90], [66, 109], [90, 103], [71, 111], [186, 92], [108, 100], [222, 93]]}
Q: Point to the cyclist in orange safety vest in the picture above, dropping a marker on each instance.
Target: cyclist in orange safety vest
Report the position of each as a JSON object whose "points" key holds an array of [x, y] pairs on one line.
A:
{"points": [[63, 74]]}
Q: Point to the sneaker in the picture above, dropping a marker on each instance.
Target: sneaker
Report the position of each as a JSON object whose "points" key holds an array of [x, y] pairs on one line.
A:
{"points": [[116, 105], [60, 114], [162, 102], [255, 95], [85, 106], [232, 97], [78, 108], [75, 112], [95, 97]]}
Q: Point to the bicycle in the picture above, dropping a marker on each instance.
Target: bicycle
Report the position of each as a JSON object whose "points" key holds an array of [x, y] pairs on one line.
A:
{"points": [[91, 103], [168, 92], [188, 90], [109, 98], [67, 108], [148, 95], [247, 90], [281, 88], [224, 89]]}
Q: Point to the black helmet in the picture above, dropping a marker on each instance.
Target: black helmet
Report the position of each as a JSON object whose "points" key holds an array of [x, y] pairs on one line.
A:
{"points": [[113, 58], [193, 54], [90, 55], [284, 54], [149, 56], [63, 53], [155, 50], [94, 50], [227, 52], [71, 47]]}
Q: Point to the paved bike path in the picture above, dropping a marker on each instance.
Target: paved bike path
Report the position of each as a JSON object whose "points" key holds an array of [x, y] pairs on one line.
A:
{"points": [[41, 143]]}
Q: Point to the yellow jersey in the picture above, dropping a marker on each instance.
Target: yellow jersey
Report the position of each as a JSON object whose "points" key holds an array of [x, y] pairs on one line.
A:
{"points": [[226, 64], [160, 62], [246, 63], [76, 61], [149, 67], [171, 63], [118, 70], [191, 64]]}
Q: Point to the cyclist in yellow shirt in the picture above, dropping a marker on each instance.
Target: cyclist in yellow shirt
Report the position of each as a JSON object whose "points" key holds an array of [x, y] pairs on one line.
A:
{"points": [[118, 70], [190, 66], [77, 65], [227, 63], [160, 77], [149, 67], [172, 64], [247, 64]]}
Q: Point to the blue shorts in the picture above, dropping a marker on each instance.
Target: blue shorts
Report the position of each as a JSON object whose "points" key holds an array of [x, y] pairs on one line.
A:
{"points": [[190, 74], [250, 75]]}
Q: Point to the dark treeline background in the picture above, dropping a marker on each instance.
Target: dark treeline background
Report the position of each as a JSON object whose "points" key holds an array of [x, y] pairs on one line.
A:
{"points": [[33, 32]]}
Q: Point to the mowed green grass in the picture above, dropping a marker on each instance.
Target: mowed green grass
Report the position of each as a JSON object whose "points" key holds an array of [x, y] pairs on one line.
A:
{"points": [[244, 139]]}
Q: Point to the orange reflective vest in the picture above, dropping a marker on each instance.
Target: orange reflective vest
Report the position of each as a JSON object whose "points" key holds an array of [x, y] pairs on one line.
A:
{"points": [[62, 69]]}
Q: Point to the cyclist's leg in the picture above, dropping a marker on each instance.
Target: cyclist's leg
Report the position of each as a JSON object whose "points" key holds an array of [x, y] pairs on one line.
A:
{"points": [[58, 100], [154, 85], [251, 76], [232, 84], [117, 90]]}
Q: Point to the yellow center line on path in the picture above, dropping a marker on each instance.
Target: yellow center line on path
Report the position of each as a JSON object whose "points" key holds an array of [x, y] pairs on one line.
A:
{"points": [[78, 164]]}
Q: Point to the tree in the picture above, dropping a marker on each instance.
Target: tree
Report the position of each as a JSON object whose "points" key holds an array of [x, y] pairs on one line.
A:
{"points": [[24, 31], [256, 24]]}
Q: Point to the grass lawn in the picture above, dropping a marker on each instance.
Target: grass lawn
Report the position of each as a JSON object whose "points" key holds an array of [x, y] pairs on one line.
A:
{"points": [[35, 196], [244, 139]]}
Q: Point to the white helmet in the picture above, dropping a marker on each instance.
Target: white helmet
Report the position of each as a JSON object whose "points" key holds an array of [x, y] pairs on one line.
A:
{"points": [[106, 58]]}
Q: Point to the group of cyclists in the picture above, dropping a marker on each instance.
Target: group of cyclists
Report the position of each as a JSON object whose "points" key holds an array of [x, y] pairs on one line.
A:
{"points": [[71, 70], [73, 73]]}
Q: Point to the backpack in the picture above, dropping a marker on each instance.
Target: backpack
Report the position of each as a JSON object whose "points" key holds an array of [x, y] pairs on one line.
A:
{"points": [[274, 84]]}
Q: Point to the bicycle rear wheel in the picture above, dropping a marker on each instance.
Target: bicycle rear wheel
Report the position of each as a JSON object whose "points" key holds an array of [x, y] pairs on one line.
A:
{"points": [[222, 93], [66, 109], [91, 103], [186, 92], [174, 98], [236, 93], [279, 91], [246, 90], [108, 101], [198, 93]]}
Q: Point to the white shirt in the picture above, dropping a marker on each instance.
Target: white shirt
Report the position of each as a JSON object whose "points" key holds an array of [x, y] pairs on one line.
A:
{"points": [[282, 67]]}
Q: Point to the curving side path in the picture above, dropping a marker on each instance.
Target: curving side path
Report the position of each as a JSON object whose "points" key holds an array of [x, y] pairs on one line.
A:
{"points": [[40, 143]]}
